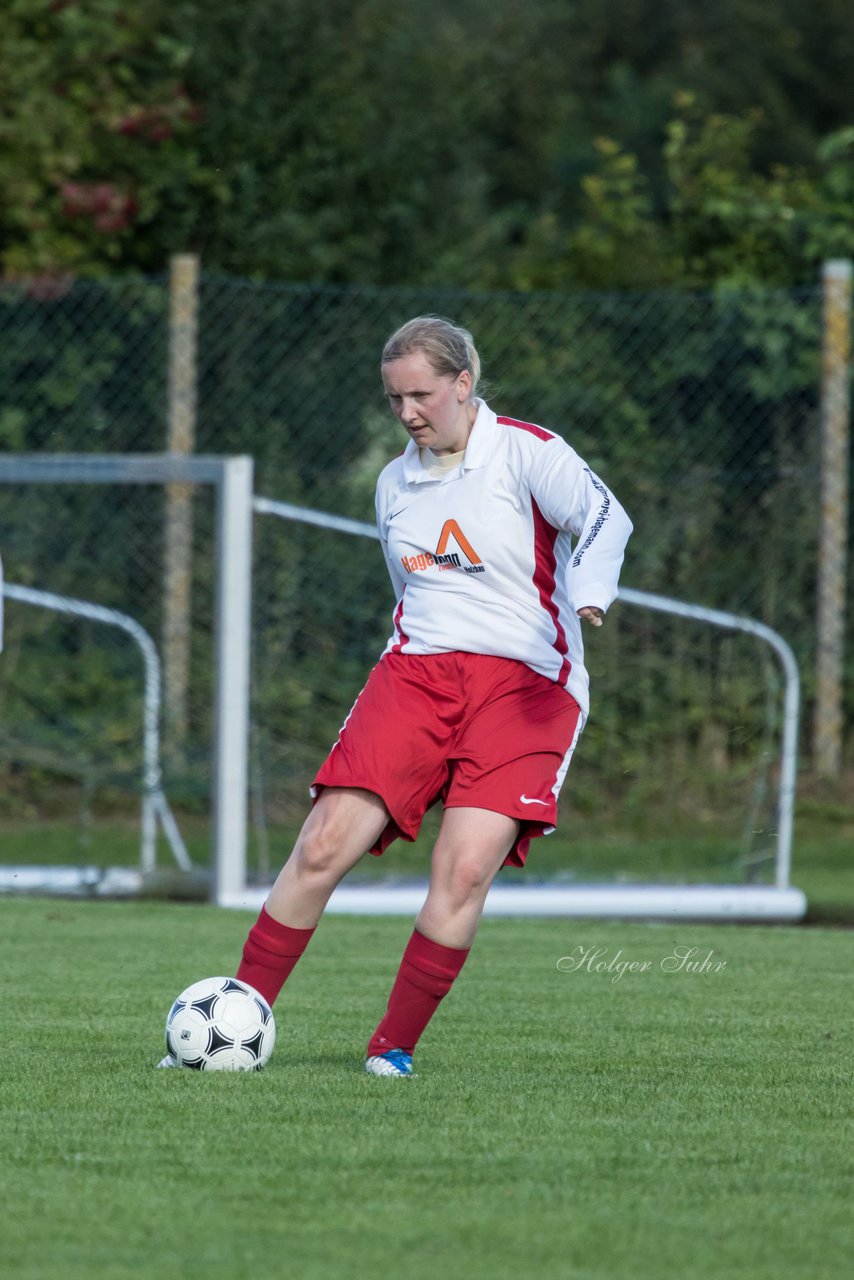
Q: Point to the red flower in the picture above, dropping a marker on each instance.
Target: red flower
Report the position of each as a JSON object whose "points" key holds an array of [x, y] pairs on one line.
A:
{"points": [[110, 209]]}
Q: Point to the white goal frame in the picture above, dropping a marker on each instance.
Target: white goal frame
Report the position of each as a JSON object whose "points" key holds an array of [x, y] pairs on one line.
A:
{"points": [[232, 480], [777, 902]]}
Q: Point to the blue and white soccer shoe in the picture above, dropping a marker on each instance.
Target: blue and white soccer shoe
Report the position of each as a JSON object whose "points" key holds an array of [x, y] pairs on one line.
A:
{"points": [[394, 1063]]}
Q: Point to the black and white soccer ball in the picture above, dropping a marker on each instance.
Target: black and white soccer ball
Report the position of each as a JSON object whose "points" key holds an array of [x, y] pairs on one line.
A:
{"points": [[221, 1024]]}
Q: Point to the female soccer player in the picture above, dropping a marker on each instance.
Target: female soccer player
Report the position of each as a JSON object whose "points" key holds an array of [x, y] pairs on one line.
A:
{"points": [[498, 540]]}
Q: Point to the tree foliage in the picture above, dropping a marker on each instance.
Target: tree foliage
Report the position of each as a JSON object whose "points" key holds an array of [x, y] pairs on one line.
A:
{"points": [[97, 167], [482, 144], [717, 218]]}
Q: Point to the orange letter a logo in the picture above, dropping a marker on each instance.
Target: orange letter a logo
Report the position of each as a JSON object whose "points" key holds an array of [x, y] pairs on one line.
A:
{"points": [[450, 529]]}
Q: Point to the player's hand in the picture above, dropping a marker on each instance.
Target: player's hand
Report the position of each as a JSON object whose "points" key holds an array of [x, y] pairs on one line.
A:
{"points": [[592, 615]]}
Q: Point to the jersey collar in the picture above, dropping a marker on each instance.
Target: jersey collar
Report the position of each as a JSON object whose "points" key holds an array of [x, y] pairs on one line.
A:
{"points": [[481, 442]]}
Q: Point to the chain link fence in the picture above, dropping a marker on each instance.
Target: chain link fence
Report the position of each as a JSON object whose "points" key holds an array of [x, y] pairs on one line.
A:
{"points": [[701, 410]]}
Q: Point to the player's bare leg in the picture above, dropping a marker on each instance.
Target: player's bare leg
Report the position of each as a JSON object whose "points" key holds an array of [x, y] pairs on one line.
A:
{"points": [[469, 851], [471, 846], [344, 823]]}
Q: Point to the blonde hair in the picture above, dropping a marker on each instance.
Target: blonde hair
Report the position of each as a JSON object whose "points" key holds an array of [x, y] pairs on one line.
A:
{"points": [[449, 348]]}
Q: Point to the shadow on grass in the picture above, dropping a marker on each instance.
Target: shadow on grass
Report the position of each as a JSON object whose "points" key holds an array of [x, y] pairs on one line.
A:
{"points": [[830, 915]]}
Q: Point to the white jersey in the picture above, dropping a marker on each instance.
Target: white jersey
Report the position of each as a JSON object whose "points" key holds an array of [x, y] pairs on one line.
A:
{"points": [[483, 559]]}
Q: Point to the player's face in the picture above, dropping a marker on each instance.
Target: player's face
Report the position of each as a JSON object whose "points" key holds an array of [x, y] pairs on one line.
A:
{"points": [[434, 407]]}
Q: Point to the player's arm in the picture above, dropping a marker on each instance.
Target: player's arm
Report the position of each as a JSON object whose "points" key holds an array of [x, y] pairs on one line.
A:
{"points": [[602, 529], [573, 498]]}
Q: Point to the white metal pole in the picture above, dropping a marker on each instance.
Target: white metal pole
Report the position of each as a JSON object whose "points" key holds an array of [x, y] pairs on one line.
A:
{"points": [[233, 630]]}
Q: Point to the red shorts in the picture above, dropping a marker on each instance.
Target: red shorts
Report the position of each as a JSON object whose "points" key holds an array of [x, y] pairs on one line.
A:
{"points": [[463, 728]]}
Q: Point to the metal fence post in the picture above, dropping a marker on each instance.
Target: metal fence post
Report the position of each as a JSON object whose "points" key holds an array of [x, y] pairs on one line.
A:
{"points": [[833, 536], [178, 515]]}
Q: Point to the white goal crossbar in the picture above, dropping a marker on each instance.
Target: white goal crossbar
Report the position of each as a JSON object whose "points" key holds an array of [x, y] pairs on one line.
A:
{"points": [[714, 902]]}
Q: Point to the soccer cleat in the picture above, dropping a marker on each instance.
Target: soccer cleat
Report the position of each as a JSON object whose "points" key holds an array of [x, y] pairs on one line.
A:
{"points": [[397, 1062], [168, 1061]]}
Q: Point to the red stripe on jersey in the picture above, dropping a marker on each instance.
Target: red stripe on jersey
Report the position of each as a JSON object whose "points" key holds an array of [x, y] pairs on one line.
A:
{"points": [[398, 614], [545, 535], [539, 432]]}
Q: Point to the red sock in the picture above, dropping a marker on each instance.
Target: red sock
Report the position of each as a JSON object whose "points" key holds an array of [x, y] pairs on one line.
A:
{"points": [[270, 954], [426, 974]]}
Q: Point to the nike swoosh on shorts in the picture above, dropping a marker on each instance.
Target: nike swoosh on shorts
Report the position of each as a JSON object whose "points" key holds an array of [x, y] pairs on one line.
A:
{"points": [[530, 800]]}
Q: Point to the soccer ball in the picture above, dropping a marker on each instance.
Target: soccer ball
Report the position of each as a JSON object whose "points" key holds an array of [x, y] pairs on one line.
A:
{"points": [[221, 1024]]}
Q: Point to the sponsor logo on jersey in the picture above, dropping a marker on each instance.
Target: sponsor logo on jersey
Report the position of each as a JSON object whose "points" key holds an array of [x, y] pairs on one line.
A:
{"points": [[426, 560], [442, 558]]}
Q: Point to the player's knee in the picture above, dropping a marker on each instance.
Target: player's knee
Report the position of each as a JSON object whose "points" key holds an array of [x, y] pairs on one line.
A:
{"points": [[468, 879], [319, 849], [313, 860]]}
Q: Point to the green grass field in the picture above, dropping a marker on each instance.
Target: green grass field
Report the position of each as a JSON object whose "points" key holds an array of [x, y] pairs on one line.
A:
{"points": [[690, 1125]]}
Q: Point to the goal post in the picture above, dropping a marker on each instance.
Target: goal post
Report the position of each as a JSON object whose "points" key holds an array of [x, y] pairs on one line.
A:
{"points": [[233, 646], [232, 480]]}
